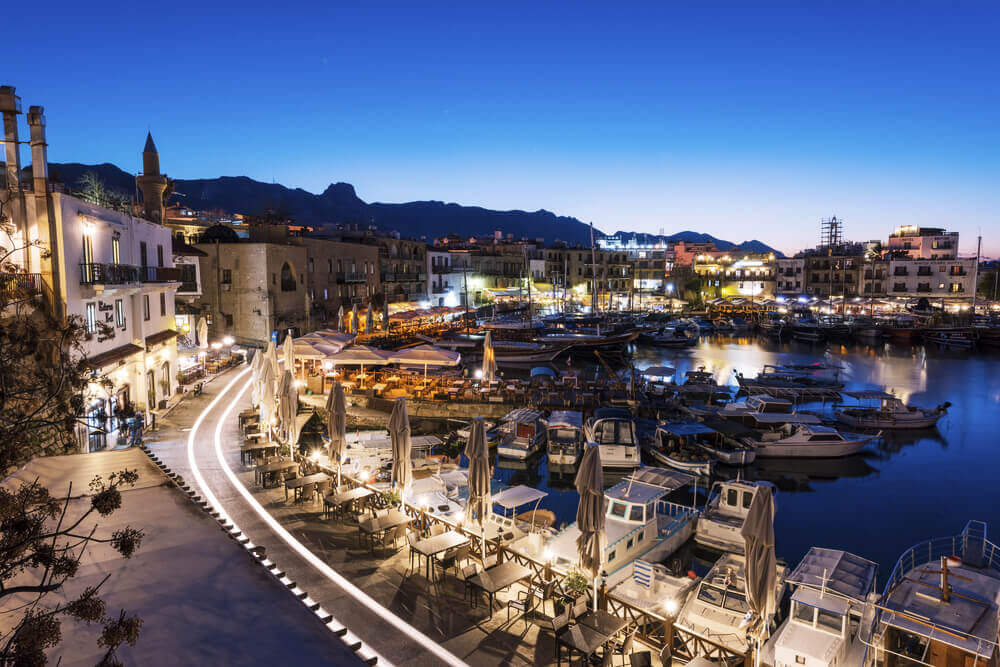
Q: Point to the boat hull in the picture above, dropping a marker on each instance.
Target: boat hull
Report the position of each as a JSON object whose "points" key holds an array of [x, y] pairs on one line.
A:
{"points": [[819, 450], [733, 457], [886, 421], [702, 468], [619, 456]]}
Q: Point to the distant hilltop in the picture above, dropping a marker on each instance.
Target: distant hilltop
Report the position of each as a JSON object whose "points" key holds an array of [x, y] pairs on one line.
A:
{"points": [[339, 203]]}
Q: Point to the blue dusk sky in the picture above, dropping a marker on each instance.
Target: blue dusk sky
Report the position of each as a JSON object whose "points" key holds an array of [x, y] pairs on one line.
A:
{"points": [[740, 121]]}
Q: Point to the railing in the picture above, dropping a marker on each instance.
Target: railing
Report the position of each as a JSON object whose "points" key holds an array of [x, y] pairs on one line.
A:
{"points": [[159, 274], [960, 272], [188, 288], [351, 277], [108, 274], [973, 537], [16, 287]]}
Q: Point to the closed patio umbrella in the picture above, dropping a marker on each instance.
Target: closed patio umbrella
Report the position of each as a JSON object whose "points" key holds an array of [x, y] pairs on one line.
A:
{"points": [[370, 320], [761, 564], [399, 435], [265, 394], [271, 358], [354, 319], [255, 378], [202, 331], [489, 359], [385, 314], [288, 407], [336, 408], [590, 512], [340, 318], [479, 503], [288, 352]]}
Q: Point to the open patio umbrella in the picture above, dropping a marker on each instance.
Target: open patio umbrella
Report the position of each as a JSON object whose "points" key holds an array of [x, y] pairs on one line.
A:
{"points": [[758, 538], [590, 512], [288, 407], [354, 319], [360, 355], [370, 320], [288, 352], [399, 435], [340, 318], [479, 503], [338, 338], [489, 359], [336, 425], [202, 332], [385, 314], [425, 355]]}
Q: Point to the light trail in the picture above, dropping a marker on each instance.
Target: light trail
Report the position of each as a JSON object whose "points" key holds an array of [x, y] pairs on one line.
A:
{"points": [[359, 596]]}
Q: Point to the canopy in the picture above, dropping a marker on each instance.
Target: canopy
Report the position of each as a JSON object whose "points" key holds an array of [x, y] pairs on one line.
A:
{"points": [[835, 570], [314, 349], [360, 355], [399, 434], [542, 370], [516, 496], [687, 428], [271, 357], [758, 537], [332, 337], [425, 355]]}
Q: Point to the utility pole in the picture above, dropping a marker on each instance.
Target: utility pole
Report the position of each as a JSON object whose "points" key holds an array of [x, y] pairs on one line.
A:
{"points": [[465, 294]]}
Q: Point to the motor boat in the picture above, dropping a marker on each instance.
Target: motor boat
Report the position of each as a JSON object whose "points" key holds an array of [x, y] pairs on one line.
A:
{"points": [[564, 432], [809, 441], [722, 325], [525, 433], [722, 519], [655, 587], [640, 523], [371, 451], [718, 608], [807, 329], [774, 327], [881, 410], [677, 336], [613, 429], [676, 445], [758, 410], [950, 337], [831, 613]]}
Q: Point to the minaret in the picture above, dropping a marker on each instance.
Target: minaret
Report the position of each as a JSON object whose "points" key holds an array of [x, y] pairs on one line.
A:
{"points": [[152, 182]]}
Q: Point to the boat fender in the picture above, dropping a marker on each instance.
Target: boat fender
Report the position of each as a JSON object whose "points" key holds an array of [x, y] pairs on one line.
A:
{"points": [[692, 574]]}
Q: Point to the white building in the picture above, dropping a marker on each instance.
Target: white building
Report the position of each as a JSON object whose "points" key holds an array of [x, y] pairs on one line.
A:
{"points": [[932, 278], [789, 275], [444, 283], [918, 242]]}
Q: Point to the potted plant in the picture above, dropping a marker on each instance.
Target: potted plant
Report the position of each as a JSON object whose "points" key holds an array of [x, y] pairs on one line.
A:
{"points": [[392, 497], [574, 585]]}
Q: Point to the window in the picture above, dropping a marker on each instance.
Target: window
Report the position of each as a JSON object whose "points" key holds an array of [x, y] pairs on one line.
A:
{"points": [[325, 296], [611, 556], [829, 621], [733, 498], [116, 249], [92, 317], [803, 613], [145, 307], [618, 510], [274, 278], [142, 254], [747, 499], [287, 278], [119, 313], [310, 269], [711, 595], [628, 545], [636, 513], [163, 304], [329, 266], [159, 255], [88, 249], [227, 276], [736, 602]]}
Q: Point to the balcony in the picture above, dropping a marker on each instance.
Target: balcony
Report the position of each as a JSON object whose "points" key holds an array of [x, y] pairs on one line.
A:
{"points": [[925, 271], [900, 271], [159, 274], [899, 287], [958, 272], [351, 277], [16, 287], [125, 274]]}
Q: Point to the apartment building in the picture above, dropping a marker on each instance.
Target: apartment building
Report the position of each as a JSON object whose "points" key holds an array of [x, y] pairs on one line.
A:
{"points": [[918, 242]]}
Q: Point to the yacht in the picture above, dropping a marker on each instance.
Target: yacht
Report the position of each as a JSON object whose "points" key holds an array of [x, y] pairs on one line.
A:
{"points": [[758, 410], [810, 441], [807, 328], [676, 336], [722, 519], [718, 608], [613, 429], [640, 523], [878, 409], [677, 445], [831, 613], [565, 437], [723, 325], [939, 606], [525, 433]]}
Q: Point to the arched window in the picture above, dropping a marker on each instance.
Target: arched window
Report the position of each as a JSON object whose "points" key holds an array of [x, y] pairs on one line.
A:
{"points": [[288, 283]]}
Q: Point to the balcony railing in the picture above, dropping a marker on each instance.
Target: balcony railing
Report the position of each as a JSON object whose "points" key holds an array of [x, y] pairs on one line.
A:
{"points": [[16, 287], [900, 272], [958, 272], [351, 277], [159, 274], [125, 274]]}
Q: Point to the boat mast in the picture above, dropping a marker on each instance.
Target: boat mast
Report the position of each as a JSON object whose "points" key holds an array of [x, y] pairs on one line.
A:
{"points": [[593, 268], [975, 277], [526, 268]]}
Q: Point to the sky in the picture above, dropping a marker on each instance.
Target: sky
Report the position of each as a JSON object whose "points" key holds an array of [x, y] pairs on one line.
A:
{"points": [[742, 122]]}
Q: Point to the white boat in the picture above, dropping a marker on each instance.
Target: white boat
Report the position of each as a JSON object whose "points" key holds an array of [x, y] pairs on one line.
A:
{"points": [[809, 441], [613, 430], [676, 445], [940, 605], [653, 587], [525, 433], [758, 410], [831, 614], [718, 608], [722, 519], [370, 451], [565, 437], [878, 409], [640, 524]]}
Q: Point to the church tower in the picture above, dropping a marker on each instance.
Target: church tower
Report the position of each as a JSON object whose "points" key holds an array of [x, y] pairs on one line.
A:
{"points": [[152, 182]]}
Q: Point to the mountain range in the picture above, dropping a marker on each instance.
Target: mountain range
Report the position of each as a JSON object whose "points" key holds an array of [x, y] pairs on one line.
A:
{"points": [[339, 203]]}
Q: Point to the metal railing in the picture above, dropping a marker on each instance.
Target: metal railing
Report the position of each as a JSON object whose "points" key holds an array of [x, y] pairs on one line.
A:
{"points": [[973, 536], [16, 287], [124, 274], [351, 277]]}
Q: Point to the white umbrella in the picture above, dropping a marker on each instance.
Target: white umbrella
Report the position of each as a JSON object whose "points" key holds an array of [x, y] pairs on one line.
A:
{"points": [[265, 393], [314, 348], [385, 314], [340, 318], [288, 407], [479, 504], [399, 435], [758, 538], [425, 355], [354, 319], [370, 320], [330, 337], [590, 512], [336, 408], [360, 355], [288, 352], [255, 366], [489, 359], [202, 332]]}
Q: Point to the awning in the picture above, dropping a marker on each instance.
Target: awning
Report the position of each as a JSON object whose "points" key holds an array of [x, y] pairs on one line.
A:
{"points": [[516, 496], [160, 337], [360, 355], [425, 355], [687, 429], [112, 356]]}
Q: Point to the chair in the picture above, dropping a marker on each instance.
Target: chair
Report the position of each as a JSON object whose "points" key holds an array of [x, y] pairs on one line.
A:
{"points": [[580, 606], [464, 575], [438, 529], [395, 535], [453, 558], [524, 601], [307, 492], [553, 624], [412, 538], [624, 649]]}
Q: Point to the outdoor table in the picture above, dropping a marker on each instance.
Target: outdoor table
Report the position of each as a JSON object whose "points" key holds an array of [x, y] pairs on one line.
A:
{"points": [[297, 483], [579, 638], [254, 435], [248, 450], [381, 524], [603, 622], [379, 387], [356, 494], [432, 546], [500, 577], [270, 468]]}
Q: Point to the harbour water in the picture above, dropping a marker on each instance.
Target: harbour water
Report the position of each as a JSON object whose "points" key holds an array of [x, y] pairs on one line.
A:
{"points": [[906, 488]]}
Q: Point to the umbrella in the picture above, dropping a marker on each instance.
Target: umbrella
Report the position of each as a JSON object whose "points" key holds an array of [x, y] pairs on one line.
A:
{"points": [[265, 393], [360, 355], [479, 504], [271, 357], [489, 359], [590, 512], [288, 407], [255, 366], [370, 320], [354, 319], [758, 537], [336, 408], [336, 338], [385, 314], [288, 352], [425, 355], [340, 318], [399, 434], [202, 332]]}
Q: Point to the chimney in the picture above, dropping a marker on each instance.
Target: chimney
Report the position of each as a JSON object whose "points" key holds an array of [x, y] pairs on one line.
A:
{"points": [[10, 107], [39, 156]]}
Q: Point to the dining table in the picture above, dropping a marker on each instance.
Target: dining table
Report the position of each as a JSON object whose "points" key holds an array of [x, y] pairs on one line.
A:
{"points": [[250, 449], [580, 639], [299, 482], [606, 623], [339, 498], [430, 547], [498, 578], [262, 472], [379, 524]]}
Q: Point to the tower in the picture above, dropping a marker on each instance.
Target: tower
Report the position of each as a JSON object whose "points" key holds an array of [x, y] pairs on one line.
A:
{"points": [[152, 182]]}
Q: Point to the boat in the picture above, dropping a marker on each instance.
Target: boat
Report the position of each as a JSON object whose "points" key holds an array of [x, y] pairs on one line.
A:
{"points": [[807, 329], [722, 519], [950, 337], [779, 380], [881, 410], [758, 410], [613, 430], [902, 328], [640, 523], [588, 340], [368, 452], [726, 445], [672, 336], [939, 606], [705, 326], [834, 327], [564, 433], [722, 325], [831, 613], [740, 324], [675, 445], [655, 587], [718, 608], [988, 334], [525, 433], [774, 326], [809, 441]]}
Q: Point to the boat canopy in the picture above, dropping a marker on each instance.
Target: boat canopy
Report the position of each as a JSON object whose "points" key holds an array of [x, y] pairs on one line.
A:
{"points": [[542, 370], [687, 428], [834, 570], [565, 419], [612, 413], [522, 416], [516, 496], [870, 394], [663, 479], [784, 418], [659, 371]]}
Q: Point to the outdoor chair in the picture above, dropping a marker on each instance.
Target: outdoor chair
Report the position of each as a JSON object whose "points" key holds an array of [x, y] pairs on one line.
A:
{"points": [[307, 492], [323, 488], [438, 529], [543, 591], [452, 558], [393, 537], [580, 606], [524, 602], [624, 648], [412, 538], [553, 624], [464, 575]]}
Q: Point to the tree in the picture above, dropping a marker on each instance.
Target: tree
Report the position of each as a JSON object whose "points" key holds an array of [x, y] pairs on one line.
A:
{"points": [[43, 538], [93, 190]]}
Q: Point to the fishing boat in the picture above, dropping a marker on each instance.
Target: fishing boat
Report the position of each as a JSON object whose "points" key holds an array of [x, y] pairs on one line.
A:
{"points": [[808, 441], [773, 326], [725, 512], [881, 410], [718, 608], [939, 607], [565, 437], [777, 380], [902, 328], [834, 327], [758, 410], [525, 433], [726, 446], [613, 429], [831, 614], [676, 445], [640, 523]]}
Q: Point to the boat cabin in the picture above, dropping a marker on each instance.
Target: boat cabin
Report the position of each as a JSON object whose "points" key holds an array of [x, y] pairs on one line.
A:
{"points": [[525, 430], [612, 426], [565, 435]]}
